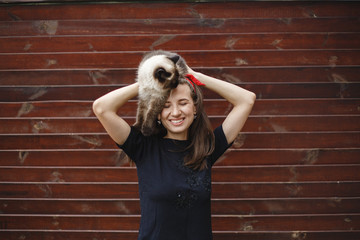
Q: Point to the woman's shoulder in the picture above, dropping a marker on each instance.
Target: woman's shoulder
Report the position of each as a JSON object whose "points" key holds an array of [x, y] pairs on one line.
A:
{"points": [[137, 141]]}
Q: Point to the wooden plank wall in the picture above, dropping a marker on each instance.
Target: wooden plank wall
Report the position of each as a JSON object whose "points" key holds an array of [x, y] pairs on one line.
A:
{"points": [[292, 174]]}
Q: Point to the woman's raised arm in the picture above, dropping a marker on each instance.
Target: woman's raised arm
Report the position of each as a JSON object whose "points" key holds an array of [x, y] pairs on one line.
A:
{"points": [[106, 107], [241, 99]]}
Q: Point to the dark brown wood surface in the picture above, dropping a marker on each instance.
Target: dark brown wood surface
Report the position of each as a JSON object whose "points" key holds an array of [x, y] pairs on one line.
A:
{"points": [[233, 41], [273, 74], [293, 172], [264, 90]]}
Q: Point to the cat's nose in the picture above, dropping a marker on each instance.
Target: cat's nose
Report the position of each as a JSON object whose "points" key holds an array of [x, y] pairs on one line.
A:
{"points": [[175, 58]]}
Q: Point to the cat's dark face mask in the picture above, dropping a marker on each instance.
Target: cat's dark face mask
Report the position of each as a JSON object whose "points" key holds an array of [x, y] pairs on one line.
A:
{"points": [[168, 80]]}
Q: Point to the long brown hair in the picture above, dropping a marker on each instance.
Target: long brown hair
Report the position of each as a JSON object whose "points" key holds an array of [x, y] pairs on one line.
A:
{"points": [[200, 134]]}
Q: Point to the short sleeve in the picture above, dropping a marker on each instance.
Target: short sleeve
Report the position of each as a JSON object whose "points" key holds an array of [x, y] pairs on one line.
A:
{"points": [[221, 145], [134, 144]]}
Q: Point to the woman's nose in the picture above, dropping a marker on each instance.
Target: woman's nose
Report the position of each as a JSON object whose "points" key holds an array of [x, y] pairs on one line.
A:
{"points": [[175, 111]]}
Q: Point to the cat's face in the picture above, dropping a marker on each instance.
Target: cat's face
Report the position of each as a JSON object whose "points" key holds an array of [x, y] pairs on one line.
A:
{"points": [[166, 68], [160, 68]]}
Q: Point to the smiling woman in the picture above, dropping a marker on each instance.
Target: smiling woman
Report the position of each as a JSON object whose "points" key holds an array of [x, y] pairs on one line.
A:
{"points": [[183, 118], [178, 113], [174, 165]]}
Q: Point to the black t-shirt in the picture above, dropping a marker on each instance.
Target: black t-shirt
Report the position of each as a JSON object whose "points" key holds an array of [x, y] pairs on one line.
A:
{"points": [[174, 199]]}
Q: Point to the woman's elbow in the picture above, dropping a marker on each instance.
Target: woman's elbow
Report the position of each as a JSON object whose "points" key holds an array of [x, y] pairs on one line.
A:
{"points": [[249, 100], [97, 107], [252, 98]]}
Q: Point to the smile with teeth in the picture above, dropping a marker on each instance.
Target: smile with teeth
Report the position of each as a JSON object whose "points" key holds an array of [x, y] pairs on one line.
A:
{"points": [[177, 121]]}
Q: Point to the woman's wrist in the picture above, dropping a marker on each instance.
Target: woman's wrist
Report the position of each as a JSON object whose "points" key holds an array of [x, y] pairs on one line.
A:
{"points": [[203, 78]]}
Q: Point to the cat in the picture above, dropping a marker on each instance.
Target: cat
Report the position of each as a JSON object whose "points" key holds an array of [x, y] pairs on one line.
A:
{"points": [[158, 73]]}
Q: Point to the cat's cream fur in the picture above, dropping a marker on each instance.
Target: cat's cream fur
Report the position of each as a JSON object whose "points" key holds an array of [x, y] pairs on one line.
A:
{"points": [[158, 73]]}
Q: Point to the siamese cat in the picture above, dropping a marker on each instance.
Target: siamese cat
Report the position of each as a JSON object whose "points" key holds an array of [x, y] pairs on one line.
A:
{"points": [[159, 72]]}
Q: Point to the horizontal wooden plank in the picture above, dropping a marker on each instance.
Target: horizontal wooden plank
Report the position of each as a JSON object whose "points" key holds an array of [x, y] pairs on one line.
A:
{"points": [[238, 157], [285, 206], [244, 140], [253, 124], [280, 107], [71, 223], [181, 10], [287, 223], [286, 174], [235, 75], [177, 26], [304, 107], [280, 190], [194, 59], [220, 223], [218, 206], [177, 42], [219, 190], [241, 157], [64, 158], [218, 235], [278, 50], [262, 90], [69, 235], [219, 174], [298, 140], [69, 175], [298, 123]]}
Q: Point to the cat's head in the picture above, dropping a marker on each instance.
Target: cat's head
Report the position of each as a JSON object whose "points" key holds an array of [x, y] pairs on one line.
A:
{"points": [[162, 68]]}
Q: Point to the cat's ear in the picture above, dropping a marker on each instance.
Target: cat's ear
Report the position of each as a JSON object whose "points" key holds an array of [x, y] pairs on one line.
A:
{"points": [[174, 58], [161, 74]]}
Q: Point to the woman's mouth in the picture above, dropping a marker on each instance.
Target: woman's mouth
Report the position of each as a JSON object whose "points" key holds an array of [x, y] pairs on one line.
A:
{"points": [[177, 122]]}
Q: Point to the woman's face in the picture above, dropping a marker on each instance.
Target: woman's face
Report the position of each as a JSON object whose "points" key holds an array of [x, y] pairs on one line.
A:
{"points": [[178, 113]]}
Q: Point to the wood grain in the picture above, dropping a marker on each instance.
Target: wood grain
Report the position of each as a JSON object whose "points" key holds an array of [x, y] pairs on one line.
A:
{"points": [[218, 235], [339, 74], [291, 174], [106, 60], [179, 42], [220, 190], [177, 26], [181, 10], [264, 91], [234, 157], [219, 174], [219, 206], [283, 107]]}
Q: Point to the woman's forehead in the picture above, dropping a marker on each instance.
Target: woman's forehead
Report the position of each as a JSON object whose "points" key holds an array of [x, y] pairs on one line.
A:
{"points": [[182, 91]]}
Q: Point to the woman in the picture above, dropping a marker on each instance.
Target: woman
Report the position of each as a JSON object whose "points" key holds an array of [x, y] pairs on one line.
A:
{"points": [[174, 167]]}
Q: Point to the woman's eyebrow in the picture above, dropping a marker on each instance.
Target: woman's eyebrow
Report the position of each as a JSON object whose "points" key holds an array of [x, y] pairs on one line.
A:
{"points": [[180, 100]]}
